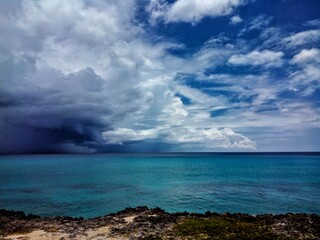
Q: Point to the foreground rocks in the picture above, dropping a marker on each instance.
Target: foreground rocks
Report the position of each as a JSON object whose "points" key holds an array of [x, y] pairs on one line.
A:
{"points": [[145, 223]]}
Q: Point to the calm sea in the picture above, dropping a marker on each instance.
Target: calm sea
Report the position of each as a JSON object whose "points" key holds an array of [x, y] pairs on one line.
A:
{"points": [[93, 185]]}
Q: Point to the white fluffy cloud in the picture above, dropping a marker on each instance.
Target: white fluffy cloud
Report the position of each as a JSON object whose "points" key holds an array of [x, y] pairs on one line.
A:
{"points": [[302, 38], [265, 58], [307, 56], [235, 20], [121, 135], [191, 10], [307, 78], [206, 138], [211, 138]]}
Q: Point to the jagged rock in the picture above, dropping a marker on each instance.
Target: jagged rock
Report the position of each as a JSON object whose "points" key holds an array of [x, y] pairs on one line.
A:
{"points": [[154, 223]]}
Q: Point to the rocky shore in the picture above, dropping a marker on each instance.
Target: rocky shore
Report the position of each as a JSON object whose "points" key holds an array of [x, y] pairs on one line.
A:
{"points": [[145, 223]]}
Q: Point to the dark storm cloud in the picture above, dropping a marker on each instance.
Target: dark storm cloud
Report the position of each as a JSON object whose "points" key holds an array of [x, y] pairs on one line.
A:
{"points": [[67, 110], [51, 98]]}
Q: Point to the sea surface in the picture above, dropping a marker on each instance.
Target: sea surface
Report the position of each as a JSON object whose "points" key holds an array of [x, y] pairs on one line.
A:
{"points": [[94, 185]]}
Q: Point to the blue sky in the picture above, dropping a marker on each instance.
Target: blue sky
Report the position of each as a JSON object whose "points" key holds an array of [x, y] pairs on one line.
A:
{"points": [[186, 75]]}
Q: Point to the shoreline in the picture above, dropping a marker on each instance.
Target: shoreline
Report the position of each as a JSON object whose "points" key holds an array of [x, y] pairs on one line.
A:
{"points": [[154, 223]]}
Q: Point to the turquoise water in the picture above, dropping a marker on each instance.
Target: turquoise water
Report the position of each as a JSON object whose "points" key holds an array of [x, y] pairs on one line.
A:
{"points": [[93, 185]]}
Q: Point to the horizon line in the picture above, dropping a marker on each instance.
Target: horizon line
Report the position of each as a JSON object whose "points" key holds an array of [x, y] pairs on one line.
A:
{"points": [[162, 153]]}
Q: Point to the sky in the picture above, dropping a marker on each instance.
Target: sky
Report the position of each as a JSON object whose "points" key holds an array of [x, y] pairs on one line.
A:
{"points": [[84, 76]]}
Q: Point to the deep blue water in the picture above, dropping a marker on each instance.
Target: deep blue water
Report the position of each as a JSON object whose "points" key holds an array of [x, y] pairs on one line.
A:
{"points": [[94, 185]]}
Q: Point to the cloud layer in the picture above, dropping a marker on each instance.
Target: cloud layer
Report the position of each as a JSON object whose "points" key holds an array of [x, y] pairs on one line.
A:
{"points": [[77, 73], [92, 76]]}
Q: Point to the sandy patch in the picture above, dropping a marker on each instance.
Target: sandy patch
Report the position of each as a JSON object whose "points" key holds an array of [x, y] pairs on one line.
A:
{"points": [[37, 235], [130, 219], [91, 234]]}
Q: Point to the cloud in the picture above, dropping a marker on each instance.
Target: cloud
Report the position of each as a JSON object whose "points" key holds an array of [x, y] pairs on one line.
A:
{"points": [[307, 56], [205, 138], [302, 38], [121, 135], [235, 20], [306, 79], [263, 103], [265, 58], [191, 11], [257, 23], [313, 23], [212, 138], [272, 38]]}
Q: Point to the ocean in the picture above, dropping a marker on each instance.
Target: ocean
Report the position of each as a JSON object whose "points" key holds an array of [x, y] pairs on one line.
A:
{"points": [[95, 185]]}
